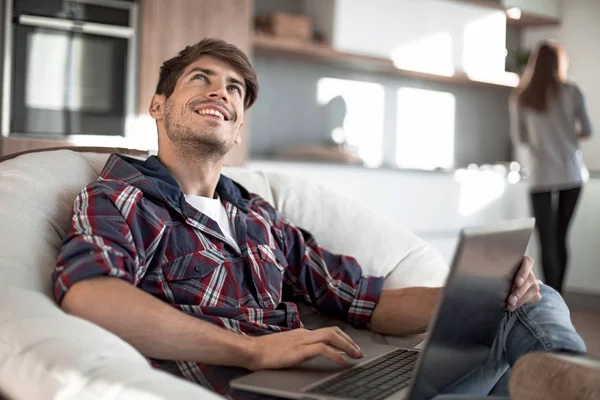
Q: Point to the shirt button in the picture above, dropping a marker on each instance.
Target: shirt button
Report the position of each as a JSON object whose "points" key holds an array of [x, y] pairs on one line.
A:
{"points": [[265, 305]]}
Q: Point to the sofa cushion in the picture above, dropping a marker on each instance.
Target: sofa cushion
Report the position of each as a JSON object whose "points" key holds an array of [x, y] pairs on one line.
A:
{"points": [[69, 357], [46, 354], [346, 227]]}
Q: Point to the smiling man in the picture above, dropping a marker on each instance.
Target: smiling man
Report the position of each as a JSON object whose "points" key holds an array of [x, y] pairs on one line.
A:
{"points": [[202, 276]]}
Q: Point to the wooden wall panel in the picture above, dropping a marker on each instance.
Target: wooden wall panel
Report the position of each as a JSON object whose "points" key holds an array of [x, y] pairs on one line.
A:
{"points": [[169, 26], [12, 145]]}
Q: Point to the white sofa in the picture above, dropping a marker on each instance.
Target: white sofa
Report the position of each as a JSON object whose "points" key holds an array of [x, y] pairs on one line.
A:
{"points": [[47, 354]]}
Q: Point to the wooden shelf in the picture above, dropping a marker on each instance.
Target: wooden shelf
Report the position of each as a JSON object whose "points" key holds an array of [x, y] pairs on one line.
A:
{"points": [[526, 20], [263, 44]]}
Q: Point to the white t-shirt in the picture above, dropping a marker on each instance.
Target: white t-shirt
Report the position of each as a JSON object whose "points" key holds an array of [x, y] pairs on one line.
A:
{"points": [[215, 210]]}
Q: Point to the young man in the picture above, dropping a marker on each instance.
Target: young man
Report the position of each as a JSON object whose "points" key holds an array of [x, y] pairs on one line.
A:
{"points": [[201, 276]]}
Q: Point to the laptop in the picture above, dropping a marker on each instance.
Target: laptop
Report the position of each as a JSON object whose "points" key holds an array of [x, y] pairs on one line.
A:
{"points": [[461, 332]]}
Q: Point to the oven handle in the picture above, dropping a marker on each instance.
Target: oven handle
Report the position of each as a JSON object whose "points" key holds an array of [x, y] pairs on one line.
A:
{"points": [[91, 28]]}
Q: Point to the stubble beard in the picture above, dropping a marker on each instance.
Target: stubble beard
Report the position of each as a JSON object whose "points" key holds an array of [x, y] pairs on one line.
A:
{"points": [[194, 142]]}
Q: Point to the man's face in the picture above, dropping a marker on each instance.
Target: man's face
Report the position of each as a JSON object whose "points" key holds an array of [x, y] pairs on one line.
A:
{"points": [[205, 113]]}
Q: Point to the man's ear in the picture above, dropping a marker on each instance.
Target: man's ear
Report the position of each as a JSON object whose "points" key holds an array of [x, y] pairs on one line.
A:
{"points": [[238, 137], [157, 106]]}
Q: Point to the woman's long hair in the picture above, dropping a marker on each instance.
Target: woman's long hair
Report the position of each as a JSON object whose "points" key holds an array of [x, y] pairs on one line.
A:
{"points": [[541, 78]]}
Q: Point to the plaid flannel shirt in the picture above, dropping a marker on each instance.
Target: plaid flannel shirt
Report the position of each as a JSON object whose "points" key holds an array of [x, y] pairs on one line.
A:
{"points": [[133, 223]]}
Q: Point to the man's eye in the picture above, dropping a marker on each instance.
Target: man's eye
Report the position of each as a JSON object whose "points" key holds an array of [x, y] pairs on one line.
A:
{"points": [[234, 88], [199, 76]]}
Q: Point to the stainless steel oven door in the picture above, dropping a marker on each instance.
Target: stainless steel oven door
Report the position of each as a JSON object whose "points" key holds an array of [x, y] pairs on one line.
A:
{"points": [[70, 77]]}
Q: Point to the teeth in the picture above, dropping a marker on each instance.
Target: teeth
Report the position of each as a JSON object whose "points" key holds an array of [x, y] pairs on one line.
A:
{"points": [[210, 111]]}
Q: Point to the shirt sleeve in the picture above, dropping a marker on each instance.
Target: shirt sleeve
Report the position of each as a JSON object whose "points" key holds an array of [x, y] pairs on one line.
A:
{"points": [[582, 115], [333, 284], [105, 238], [518, 127]]}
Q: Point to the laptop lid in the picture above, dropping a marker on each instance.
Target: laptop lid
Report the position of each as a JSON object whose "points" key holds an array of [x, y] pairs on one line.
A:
{"points": [[462, 329], [472, 305]]}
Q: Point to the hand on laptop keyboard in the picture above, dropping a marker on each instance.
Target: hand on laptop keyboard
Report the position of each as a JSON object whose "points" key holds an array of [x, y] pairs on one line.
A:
{"points": [[288, 349]]}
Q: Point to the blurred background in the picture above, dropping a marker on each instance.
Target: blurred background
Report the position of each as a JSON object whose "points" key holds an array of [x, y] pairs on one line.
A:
{"points": [[399, 104]]}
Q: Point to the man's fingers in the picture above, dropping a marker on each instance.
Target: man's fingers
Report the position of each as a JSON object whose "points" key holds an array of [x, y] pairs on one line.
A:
{"points": [[348, 339], [532, 295], [520, 291], [524, 271], [334, 337], [343, 334], [527, 293], [321, 349]]}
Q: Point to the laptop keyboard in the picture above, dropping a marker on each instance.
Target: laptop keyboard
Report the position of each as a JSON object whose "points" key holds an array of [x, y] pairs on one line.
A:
{"points": [[373, 381]]}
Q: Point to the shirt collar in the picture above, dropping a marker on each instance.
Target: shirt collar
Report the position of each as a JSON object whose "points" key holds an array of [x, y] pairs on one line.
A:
{"points": [[155, 180]]}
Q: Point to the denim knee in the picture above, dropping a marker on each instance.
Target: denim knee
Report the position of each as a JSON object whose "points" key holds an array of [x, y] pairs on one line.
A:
{"points": [[551, 313]]}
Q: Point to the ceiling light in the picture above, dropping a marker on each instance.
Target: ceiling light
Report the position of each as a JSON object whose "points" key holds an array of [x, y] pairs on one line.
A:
{"points": [[513, 13]]}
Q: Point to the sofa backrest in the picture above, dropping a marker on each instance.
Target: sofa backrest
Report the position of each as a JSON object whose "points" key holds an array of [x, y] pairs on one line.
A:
{"points": [[37, 192]]}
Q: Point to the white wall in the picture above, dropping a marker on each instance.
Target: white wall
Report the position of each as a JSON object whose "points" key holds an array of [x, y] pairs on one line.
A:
{"points": [[579, 33], [436, 206], [426, 35], [585, 241]]}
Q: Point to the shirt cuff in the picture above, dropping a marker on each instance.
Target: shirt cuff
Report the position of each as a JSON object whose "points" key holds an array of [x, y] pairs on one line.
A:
{"points": [[65, 278], [365, 299]]}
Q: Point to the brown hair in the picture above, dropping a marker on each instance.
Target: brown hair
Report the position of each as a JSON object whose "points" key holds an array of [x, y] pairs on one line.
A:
{"points": [[541, 78], [172, 69]]}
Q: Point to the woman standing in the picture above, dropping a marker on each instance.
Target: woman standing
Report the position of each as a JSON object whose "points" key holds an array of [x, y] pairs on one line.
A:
{"points": [[549, 117]]}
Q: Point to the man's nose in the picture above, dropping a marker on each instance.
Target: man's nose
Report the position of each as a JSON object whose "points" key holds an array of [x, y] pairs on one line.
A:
{"points": [[218, 92]]}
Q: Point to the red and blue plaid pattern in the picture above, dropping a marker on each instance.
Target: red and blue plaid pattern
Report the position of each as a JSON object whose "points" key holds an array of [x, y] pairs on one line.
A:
{"points": [[134, 224]]}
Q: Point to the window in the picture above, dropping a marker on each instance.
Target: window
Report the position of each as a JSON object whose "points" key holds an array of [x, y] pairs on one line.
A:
{"points": [[362, 125], [425, 129]]}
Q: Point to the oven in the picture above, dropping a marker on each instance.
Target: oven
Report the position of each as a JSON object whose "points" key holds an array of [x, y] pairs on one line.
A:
{"points": [[69, 67]]}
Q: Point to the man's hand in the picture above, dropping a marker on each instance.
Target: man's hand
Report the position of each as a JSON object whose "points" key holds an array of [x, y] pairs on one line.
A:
{"points": [[288, 349], [525, 287]]}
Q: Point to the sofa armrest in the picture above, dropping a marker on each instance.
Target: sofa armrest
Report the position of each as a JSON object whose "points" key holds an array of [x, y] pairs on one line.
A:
{"points": [[45, 353]]}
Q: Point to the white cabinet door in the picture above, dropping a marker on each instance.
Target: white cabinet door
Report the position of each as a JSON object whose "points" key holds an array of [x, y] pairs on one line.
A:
{"points": [[434, 36]]}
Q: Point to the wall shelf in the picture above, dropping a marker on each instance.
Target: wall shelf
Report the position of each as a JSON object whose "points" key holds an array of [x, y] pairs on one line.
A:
{"points": [[527, 19], [268, 45]]}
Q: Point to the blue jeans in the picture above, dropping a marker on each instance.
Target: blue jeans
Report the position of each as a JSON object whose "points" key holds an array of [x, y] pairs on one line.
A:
{"points": [[544, 326]]}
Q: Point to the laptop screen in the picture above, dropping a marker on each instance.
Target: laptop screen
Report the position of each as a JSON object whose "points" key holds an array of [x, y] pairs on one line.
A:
{"points": [[472, 306]]}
